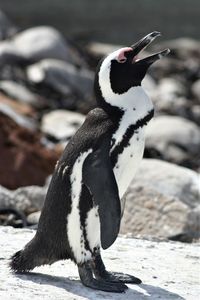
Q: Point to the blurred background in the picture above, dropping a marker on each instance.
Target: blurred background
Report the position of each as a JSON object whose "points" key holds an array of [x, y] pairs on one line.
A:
{"points": [[48, 54]]}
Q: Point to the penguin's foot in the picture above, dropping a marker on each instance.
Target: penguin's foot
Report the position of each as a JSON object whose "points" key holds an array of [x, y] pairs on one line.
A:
{"points": [[101, 273], [120, 277], [86, 276]]}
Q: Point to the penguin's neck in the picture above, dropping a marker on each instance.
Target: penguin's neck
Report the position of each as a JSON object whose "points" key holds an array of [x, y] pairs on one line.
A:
{"points": [[127, 108]]}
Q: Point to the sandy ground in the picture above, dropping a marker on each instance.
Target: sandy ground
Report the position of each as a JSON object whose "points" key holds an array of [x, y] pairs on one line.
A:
{"points": [[169, 270]]}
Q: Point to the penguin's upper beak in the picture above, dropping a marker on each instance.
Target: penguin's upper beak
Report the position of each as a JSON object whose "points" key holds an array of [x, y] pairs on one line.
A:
{"points": [[142, 44]]}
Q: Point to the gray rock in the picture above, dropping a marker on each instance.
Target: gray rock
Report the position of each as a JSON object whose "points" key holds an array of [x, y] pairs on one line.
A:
{"points": [[5, 197], [175, 138], [63, 77], [7, 29], [25, 199], [162, 201], [37, 43], [61, 124], [196, 89], [21, 93], [170, 97], [168, 270], [29, 198]]}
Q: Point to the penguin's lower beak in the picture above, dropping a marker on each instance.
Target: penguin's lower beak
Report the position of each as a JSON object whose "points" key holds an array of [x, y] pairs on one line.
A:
{"points": [[142, 44]]}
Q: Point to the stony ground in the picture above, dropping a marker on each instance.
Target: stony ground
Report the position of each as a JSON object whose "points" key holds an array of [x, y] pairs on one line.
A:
{"points": [[169, 270]]}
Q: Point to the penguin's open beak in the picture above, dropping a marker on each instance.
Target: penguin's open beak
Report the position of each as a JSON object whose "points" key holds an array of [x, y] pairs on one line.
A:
{"points": [[142, 44]]}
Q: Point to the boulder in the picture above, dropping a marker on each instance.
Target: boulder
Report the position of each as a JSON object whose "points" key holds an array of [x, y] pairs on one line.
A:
{"points": [[168, 271], [162, 201], [37, 43], [175, 139], [65, 79], [26, 199], [61, 124]]}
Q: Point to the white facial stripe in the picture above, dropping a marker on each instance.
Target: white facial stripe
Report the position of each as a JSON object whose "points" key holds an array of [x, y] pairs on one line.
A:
{"points": [[74, 229]]}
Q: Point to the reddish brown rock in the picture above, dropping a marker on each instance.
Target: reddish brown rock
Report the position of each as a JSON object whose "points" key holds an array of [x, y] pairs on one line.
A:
{"points": [[24, 160]]}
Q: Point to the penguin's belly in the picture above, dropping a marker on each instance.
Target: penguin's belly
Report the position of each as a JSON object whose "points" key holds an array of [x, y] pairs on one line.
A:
{"points": [[75, 231], [129, 161]]}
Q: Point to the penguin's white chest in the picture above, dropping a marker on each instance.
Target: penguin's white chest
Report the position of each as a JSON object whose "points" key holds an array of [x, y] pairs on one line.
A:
{"points": [[129, 160]]}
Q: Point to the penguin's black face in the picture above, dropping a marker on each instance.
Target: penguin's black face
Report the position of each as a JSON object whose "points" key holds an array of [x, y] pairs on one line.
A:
{"points": [[122, 69], [127, 70]]}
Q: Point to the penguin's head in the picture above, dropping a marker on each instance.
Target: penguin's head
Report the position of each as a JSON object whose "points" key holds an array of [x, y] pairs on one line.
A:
{"points": [[123, 69]]}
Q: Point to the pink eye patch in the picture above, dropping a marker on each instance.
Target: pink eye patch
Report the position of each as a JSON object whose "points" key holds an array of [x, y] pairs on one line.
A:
{"points": [[121, 56]]}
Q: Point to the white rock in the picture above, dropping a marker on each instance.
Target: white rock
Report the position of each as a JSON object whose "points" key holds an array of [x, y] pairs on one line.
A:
{"points": [[33, 218], [169, 270], [61, 124], [171, 134], [38, 43], [162, 201]]}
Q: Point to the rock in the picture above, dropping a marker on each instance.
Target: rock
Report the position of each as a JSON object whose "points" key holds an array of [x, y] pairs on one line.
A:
{"points": [[29, 198], [196, 89], [177, 140], [64, 78], [170, 88], [7, 29], [168, 97], [162, 201], [156, 263], [35, 44], [21, 93], [24, 161], [61, 124], [24, 199], [33, 218]]}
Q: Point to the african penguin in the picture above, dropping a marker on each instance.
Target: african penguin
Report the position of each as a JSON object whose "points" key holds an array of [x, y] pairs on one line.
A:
{"points": [[83, 209]]}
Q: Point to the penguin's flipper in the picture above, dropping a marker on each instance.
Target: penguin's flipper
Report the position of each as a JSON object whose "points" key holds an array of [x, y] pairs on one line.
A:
{"points": [[98, 176]]}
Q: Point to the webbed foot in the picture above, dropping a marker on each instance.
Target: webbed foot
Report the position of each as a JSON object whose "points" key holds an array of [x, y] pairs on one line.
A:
{"points": [[86, 276], [101, 273]]}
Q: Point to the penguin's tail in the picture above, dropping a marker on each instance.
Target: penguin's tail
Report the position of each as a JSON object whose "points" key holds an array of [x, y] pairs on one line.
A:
{"points": [[20, 263], [28, 258]]}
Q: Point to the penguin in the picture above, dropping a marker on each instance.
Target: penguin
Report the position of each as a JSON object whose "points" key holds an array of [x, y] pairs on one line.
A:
{"points": [[83, 206]]}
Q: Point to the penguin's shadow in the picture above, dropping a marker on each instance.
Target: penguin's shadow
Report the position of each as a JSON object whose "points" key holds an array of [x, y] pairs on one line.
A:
{"points": [[75, 287]]}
